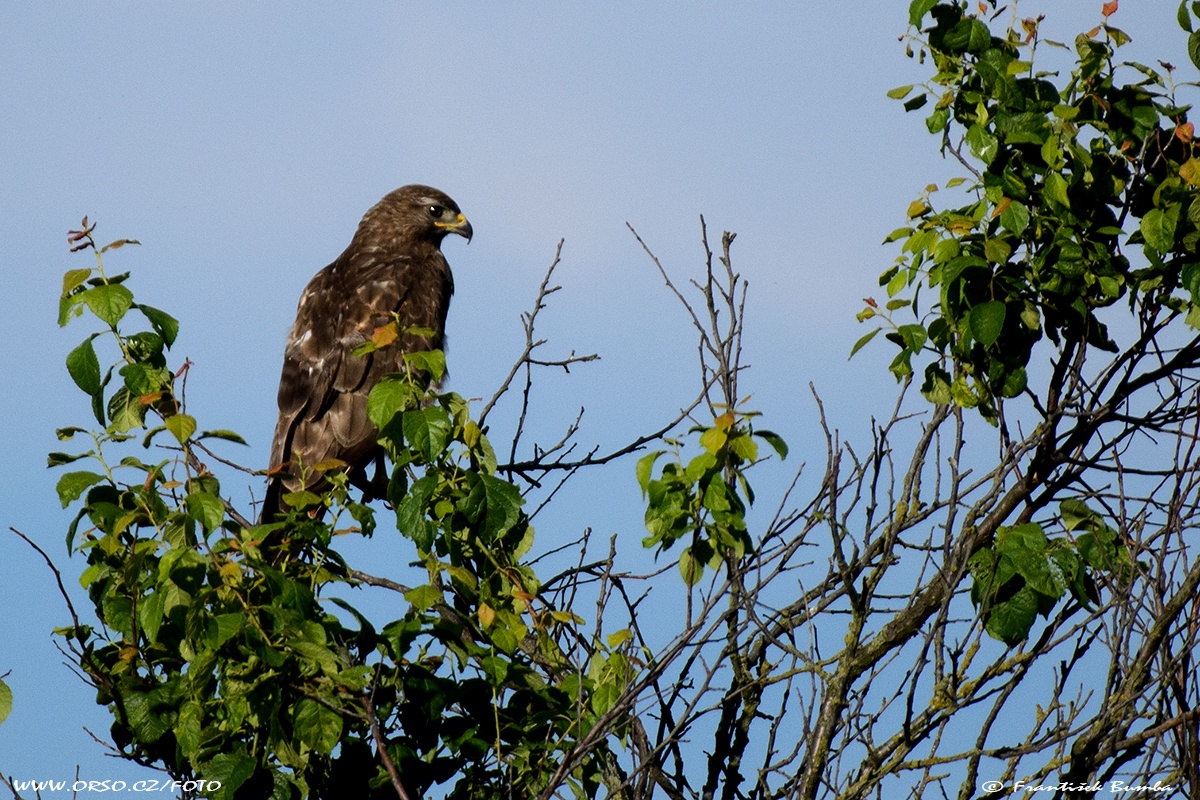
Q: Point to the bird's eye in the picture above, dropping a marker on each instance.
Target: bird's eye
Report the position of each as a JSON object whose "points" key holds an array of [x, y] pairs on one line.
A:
{"points": [[436, 211]]}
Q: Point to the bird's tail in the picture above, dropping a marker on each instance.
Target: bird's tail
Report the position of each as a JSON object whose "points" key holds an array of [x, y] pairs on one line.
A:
{"points": [[272, 504]]}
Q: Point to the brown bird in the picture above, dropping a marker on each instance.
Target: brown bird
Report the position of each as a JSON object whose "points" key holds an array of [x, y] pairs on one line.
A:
{"points": [[393, 270]]}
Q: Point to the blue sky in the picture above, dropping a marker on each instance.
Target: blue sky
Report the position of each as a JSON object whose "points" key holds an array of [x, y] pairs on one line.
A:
{"points": [[242, 142]]}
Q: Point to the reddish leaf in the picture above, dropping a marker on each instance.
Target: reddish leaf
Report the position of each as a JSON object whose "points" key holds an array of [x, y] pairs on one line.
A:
{"points": [[385, 335], [1185, 132], [1109, 8]]}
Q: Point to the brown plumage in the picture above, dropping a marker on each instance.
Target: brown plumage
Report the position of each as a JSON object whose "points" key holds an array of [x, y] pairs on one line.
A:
{"points": [[394, 265]]}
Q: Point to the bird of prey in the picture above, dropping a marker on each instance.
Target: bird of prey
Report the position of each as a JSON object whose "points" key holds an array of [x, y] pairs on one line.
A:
{"points": [[393, 270]]}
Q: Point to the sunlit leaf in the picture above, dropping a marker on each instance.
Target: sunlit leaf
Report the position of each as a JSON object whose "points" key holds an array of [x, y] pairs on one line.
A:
{"points": [[205, 508], [427, 430], [917, 10], [423, 597], [1056, 189], [1158, 228], [389, 397], [1015, 218], [72, 485], [645, 468], [109, 301], [6, 701], [181, 425]]}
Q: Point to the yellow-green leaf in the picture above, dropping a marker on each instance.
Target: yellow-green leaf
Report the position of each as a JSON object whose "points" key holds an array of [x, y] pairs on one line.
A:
{"points": [[182, 426]]}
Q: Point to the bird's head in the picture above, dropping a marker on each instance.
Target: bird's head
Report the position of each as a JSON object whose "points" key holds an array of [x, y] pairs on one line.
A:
{"points": [[416, 214]]}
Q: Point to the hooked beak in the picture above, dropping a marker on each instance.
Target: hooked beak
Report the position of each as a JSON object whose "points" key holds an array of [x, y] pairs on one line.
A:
{"points": [[459, 226]]}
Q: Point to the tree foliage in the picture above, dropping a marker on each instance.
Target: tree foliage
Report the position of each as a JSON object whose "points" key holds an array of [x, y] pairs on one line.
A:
{"points": [[997, 585]]}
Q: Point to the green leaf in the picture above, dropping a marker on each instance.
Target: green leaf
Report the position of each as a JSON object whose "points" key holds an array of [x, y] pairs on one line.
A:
{"points": [[495, 668], [936, 122], [182, 425], [1158, 228], [997, 250], [936, 387], [6, 701], [430, 362], [423, 597], [205, 508], [1015, 218], [1193, 46], [84, 367], [501, 506], [187, 728], [143, 379], [1014, 383], [618, 638], [713, 439], [150, 614], [69, 305], [914, 336], [223, 627], [604, 697], [318, 654], [1075, 512], [301, 499], [73, 279], [776, 441], [221, 433], [1011, 620], [163, 323], [969, 35], [231, 770], [427, 430], [411, 513], [645, 468], [317, 726], [986, 321], [982, 143], [1183, 17], [899, 92], [73, 484], [862, 342], [125, 411], [917, 10], [389, 397], [59, 459], [109, 301], [148, 721], [691, 569], [1056, 189]]}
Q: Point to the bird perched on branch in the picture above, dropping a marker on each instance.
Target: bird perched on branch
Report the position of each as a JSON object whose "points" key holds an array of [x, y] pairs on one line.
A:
{"points": [[392, 272]]}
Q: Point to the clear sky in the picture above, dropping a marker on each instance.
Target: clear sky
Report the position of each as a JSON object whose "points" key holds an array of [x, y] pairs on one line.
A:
{"points": [[241, 142]]}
